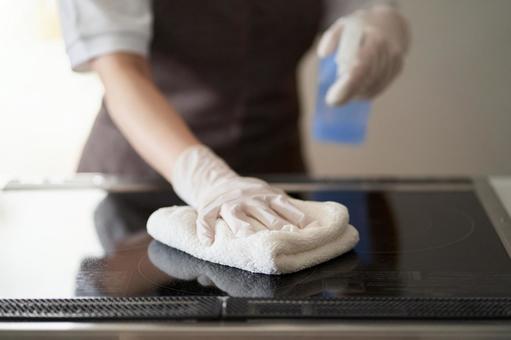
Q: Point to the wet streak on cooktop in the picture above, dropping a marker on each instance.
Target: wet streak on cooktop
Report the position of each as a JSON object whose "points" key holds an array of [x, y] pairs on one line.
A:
{"points": [[413, 244]]}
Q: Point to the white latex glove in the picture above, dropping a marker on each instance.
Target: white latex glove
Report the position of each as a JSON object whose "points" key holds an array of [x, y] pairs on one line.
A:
{"points": [[206, 183], [370, 46]]}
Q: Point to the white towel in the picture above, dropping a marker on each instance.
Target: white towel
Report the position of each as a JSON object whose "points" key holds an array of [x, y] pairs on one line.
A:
{"points": [[266, 251]]}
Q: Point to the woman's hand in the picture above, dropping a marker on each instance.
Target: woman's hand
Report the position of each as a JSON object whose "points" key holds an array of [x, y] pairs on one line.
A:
{"points": [[206, 183], [370, 46]]}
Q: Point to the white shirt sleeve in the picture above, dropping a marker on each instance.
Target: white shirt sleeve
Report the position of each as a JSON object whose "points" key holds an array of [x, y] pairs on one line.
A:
{"points": [[96, 27]]}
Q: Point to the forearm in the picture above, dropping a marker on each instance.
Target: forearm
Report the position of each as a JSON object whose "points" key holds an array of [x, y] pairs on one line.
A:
{"points": [[150, 124]]}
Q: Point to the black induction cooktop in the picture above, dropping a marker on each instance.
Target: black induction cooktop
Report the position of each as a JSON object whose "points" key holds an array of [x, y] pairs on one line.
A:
{"points": [[425, 252]]}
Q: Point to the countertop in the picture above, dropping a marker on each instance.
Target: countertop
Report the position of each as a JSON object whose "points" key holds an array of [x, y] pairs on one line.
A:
{"points": [[270, 329]]}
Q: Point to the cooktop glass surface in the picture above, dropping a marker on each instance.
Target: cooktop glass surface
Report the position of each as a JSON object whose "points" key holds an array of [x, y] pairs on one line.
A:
{"points": [[59, 244]]}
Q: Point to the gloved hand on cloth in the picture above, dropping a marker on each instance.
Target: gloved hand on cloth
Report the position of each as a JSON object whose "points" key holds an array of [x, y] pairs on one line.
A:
{"points": [[370, 46], [246, 223], [246, 204]]}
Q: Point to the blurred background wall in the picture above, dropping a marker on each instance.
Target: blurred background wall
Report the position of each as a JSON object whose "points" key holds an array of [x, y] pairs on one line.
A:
{"points": [[448, 114], [45, 109]]}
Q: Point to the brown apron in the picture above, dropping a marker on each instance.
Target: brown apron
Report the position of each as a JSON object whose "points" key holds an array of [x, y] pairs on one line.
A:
{"points": [[229, 68]]}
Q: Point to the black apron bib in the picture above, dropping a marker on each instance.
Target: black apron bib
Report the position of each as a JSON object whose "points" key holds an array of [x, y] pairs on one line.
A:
{"points": [[229, 68]]}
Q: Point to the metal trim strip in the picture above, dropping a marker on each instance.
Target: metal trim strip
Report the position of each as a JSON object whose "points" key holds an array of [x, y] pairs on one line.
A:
{"points": [[496, 211]]}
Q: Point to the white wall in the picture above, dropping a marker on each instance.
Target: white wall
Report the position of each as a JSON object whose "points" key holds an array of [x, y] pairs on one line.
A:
{"points": [[45, 109], [450, 111]]}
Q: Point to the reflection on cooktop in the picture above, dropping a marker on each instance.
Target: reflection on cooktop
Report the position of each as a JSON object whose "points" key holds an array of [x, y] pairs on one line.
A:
{"points": [[150, 268], [412, 244], [239, 283]]}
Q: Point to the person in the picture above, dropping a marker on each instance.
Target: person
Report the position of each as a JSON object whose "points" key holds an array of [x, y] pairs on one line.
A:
{"points": [[201, 91]]}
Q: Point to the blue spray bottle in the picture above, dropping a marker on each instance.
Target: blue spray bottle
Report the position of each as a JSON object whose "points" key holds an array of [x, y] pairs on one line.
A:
{"points": [[340, 124]]}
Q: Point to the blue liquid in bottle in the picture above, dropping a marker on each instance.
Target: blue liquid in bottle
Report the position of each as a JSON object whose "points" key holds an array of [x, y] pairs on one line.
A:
{"points": [[345, 124]]}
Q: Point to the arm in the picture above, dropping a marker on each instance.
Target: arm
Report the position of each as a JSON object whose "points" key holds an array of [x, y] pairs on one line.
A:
{"points": [[150, 124], [112, 38], [198, 176]]}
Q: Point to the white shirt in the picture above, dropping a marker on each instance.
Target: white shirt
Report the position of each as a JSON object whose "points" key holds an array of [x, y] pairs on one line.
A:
{"points": [[92, 28], [96, 27]]}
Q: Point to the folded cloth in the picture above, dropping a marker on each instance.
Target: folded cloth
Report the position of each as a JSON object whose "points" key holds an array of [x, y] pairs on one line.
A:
{"points": [[286, 250]]}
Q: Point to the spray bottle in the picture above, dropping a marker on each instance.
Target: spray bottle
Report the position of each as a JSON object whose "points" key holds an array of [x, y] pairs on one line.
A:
{"points": [[340, 124]]}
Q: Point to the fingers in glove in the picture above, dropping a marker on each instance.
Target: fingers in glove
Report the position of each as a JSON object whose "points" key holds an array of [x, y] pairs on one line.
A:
{"points": [[378, 62], [348, 84], [348, 50], [393, 70], [236, 219], [330, 39], [337, 93], [261, 212], [367, 71], [205, 281], [383, 68], [382, 63], [206, 224], [283, 206]]}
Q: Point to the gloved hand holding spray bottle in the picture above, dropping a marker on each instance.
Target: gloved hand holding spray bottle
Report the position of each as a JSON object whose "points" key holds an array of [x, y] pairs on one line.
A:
{"points": [[361, 55]]}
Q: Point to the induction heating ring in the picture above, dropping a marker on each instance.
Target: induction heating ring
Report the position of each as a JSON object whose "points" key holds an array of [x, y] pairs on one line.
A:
{"points": [[468, 231]]}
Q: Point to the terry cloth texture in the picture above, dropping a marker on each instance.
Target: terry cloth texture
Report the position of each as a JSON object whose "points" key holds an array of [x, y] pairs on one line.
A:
{"points": [[266, 251]]}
